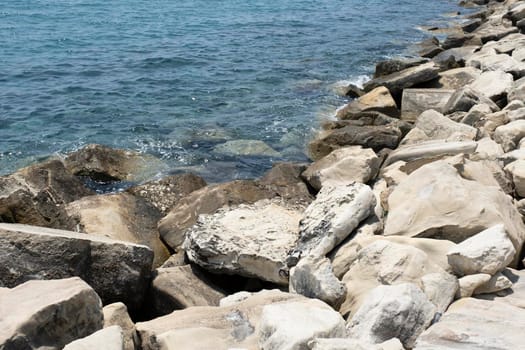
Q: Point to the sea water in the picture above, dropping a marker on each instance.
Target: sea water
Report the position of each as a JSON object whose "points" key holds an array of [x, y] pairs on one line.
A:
{"points": [[177, 78]]}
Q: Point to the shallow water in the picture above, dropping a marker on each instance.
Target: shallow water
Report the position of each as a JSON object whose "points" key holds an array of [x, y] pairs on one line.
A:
{"points": [[176, 78]]}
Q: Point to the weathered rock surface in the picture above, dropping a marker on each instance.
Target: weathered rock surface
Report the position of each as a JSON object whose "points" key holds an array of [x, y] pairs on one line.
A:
{"points": [[334, 214], [509, 135], [488, 252], [515, 295], [468, 284], [440, 289], [181, 287], [379, 100], [490, 61], [455, 57], [494, 85], [354, 344], [246, 148], [116, 314], [465, 98], [396, 65], [110, 338], [285, 180], [401, 311], [343, 166], [456, 78], [497, 283], [517, 171], [250, 240], [118, 271], [416, 101], [48, 314]]}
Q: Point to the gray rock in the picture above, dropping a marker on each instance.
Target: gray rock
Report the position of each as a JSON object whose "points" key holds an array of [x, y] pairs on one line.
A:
{"points": [[246, 148], [440, 288], [457, 56], [516, 170], [509, 135], [400, 311], [457, 78], [116, 314], [494, 84], [48, 314], [468, 284], [508, 44], [491, 61], [465, 98], [416, 101], [429, 48], [497, 283], [518, 91], [110, 338], [489, 32], [396, 65], [456, 40], [118, 271]]}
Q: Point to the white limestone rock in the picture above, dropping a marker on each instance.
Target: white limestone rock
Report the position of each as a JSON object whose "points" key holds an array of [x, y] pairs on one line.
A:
{"points": [[494, 84], [517, 171], [497, 283], [440, 288], [509, 135], [116, 314], [468, 284], [110, 338], [353, 344]]}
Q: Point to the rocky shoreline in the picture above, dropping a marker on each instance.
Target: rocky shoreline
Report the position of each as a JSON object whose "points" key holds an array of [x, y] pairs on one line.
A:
{"points": [[406, 231]]}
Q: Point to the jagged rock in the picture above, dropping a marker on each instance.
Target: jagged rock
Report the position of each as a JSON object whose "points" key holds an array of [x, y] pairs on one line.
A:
{"points": [[48, 314], [334, 214], [456, 40], [379, 100], [497, 283], [432, 125], [122, 217], [116, 314], [457, 78], [343, 166], [102, 163], [517, 12], [518, 91], [117, 270], [440, 289], [285, 179], [455, 57], [517, 171], [429, 48], [489, 251], [181, 287], [489, 32], [208, 200], [494, 84], [396, 65], [416, 101], [250, 240], [406, 78], [491, 61], [508, 44], [468, 284], [165, 193], [110, 338], [375, 137], [465, 98], [401, 311], [291, 325], [354, 344], [476, 324], [471, 25], [35, 195], [435, 201], [246, 148], [314, 278], [177, 259], [509, 135]]}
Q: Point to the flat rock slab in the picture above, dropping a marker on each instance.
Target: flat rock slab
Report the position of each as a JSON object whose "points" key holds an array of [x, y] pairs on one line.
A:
{"points": [[250, 240], [110, 338], [378, 100], [48, 314], [118, 271], [416, 101]]}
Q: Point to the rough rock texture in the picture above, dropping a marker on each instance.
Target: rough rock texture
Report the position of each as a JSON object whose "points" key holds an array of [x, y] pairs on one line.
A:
{"points": [[118, 271], [435, 201], [116, 314], [396, 65], [166, 192], [250, 240], [440, 289], [110, 338], [517, 171], [497, 283], [314, 278], [465, 98], [455, 57], [246, 148], [48, 314], [289, 326], [401, 311], [468, 284], [379, 100], [343, 166], [416, 101], [181, 287], [334, 214], [122, 217], [457, 78], [509, 135], [494, 84], [353, 344], [514, 296], [285, 179]]}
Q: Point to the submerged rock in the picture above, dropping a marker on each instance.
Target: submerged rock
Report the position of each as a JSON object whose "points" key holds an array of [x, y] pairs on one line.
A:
{"points": [[246, 148]]}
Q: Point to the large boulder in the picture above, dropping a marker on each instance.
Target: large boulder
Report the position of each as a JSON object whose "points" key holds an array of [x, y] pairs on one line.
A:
{"points": [[379, 99], [416, 101], [110, 338], [456, 78], [516, 170], [396, 65], [343, 166], [435, 201], [285, 179], [401, 311], [494, 85], [509, 135], [249, 240], [48, 314], [466, 98], [121, 217], [491, 61], [118, 271]]}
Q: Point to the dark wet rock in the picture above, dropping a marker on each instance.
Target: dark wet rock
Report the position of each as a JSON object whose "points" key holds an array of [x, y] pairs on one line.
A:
{"points": [[456, 40], [353, 91], [429, 48], [471, 25], [455, 57], [285, 179]]}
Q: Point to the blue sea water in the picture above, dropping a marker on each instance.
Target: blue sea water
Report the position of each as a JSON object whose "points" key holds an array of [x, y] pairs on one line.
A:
{"points": [[176, 78]]}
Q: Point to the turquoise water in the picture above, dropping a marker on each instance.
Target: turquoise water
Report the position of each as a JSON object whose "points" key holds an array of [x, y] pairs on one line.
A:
{"points": [[176, 78]]}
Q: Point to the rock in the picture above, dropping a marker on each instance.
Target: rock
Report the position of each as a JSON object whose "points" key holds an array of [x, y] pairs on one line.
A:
{"points": [[456, 40], [513, 296], [110, 338], [48, 314], [512, 156], [102, 163], [406, 78], [165, 193], [465, 98], [292, 325], [401, 311], [396, 65], [286, 180], [488, 149], [471, 25], [517, 171], [36, 194], [121, 217], [351, 91], [343, 166], [518, 91], [417, 101], [431, 150], [429, 48], [519, 54], [250, 240], [509, 135], [476, 324], [314, 278], [246, 148], [118, 271], [516, 13], [335, 213], [455, 57], [175, 260], [489, 251], [116, 314], [488, 32], [468, 284], [457, 78], [494, 84], [208, 200], [490, 61], [379, 99], [508, 44], [435, 201], [181, 287], [432, 125], [497, 283], [375, 137], [354, 344], [440, 288]]}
